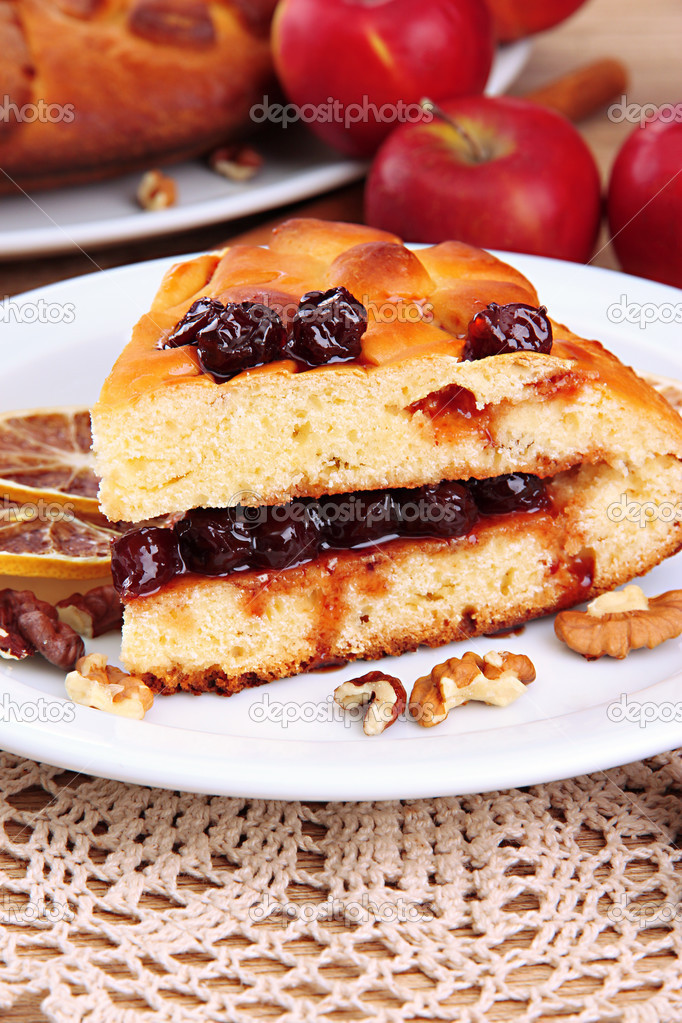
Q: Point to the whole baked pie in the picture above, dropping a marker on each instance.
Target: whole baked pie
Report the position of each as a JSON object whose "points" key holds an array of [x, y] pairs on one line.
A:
{"points": [[91, 88], [357, 448]]}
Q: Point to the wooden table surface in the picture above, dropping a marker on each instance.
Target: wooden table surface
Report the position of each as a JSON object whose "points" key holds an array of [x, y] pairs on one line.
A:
{"points": [[644, 35]]}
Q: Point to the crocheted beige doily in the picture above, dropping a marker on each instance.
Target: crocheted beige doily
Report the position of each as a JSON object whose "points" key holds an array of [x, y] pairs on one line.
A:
{"points": [[126, 904]]}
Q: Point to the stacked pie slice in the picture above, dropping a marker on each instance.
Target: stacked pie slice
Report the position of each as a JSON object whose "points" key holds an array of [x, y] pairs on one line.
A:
{"points": [[358, 448]]}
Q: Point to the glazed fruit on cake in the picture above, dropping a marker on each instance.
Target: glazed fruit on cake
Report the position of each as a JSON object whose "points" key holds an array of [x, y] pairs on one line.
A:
{"points": [[360, 448]]}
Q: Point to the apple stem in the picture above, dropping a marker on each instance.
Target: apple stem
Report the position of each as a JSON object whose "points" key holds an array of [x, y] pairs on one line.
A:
{"points": [[429, 107]]}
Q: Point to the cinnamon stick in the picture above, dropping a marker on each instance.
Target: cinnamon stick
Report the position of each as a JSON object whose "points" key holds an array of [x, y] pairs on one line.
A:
{"points": [[584, 91]]}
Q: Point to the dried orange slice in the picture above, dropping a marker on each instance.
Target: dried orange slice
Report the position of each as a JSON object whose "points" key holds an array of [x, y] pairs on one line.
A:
{"points": [[45, 453], [44, 538]]}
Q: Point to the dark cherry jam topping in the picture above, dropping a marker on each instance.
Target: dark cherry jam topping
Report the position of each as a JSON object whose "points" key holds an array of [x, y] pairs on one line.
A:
{"points": [[214, 542], [451, 400], [515, 492], [145, 560], [245, 335], [284, 537], [327, 327], [500, 329], [442, 511], [199, 315], [581, 568], [217, 542], [230, 338], [351, 520]]}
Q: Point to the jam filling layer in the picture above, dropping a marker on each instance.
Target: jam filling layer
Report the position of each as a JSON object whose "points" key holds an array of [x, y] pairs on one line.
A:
{"points": [[219, 542]]}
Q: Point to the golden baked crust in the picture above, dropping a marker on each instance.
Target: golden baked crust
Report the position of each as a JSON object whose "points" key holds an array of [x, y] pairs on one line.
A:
{"points": [[137, 80], [162, 428]]}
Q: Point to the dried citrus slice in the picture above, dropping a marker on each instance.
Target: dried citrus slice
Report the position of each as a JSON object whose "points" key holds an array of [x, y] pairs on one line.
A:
{"points": [[46, 453], [46, 539]]}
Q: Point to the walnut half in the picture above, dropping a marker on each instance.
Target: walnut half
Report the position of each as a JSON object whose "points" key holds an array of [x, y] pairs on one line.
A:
{"points": [[238, 163], [30, 626], [498, 678], [93, 613], [384, 694], [96, 684], [156, 191], [616, 623]]}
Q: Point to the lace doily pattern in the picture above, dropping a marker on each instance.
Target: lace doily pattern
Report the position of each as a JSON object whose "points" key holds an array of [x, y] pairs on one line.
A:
{"points": [[126, 904]]}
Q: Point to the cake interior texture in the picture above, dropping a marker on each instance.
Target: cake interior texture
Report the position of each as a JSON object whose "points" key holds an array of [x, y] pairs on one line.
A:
{"points": [[346, 430], [225, 634]]}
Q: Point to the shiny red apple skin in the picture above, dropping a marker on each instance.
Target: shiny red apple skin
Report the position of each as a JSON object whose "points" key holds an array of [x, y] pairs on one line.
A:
{"points": [[645, 202], [386, 50], [539, 191], [515, 19]]}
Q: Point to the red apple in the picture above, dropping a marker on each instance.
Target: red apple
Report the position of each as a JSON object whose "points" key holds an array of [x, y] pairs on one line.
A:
{"points": [[645, 202], [514, 19], [353, 53], [494, 172]]}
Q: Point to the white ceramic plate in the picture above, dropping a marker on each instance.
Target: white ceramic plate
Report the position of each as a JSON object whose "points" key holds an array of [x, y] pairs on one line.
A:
{"points": [[247, 744], [296, 166]]}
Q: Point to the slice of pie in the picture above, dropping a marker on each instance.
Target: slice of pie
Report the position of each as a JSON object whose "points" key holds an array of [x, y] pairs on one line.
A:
{"points": [[362, 448]]}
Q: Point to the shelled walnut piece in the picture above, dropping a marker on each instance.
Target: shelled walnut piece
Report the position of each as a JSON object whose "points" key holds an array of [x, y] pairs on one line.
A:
{"points": [[31, 626], [498, 678], [93, 613], [384, 696], [238, 163], [618, 622], [156, 191], [96, 684]]}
